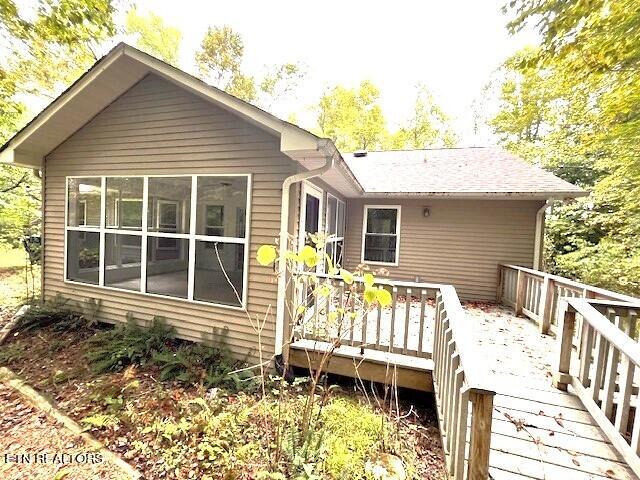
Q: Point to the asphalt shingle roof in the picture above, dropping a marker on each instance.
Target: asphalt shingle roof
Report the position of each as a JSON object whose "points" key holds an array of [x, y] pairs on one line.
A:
{"points": [[472, 170]]}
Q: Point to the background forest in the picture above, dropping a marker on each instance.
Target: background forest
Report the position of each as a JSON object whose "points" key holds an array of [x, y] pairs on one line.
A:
{"points": [[570, 104]]}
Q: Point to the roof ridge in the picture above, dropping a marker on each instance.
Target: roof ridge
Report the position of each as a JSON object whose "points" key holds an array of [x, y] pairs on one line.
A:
{"points": [[424, 149]]}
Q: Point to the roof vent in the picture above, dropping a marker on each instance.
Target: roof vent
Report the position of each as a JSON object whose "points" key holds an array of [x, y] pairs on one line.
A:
{"points": [[360, 153]]}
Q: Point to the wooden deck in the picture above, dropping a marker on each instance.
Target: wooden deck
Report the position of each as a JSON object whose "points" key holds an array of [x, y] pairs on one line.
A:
{"points": [[513, 401], [538, 431]]}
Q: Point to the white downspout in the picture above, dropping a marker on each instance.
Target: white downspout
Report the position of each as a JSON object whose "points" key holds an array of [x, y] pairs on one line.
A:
{"points": [[539, 235], [284, 240]]}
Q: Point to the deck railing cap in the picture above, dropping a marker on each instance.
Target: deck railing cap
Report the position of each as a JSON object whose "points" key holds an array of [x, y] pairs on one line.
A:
{"points": [[572, 283]]}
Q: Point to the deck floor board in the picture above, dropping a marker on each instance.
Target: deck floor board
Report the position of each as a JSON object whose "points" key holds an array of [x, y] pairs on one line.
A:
{"points": [[538, 431]]}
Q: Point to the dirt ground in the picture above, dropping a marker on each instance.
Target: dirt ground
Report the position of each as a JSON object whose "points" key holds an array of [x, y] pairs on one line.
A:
{"points": [[53, 452], [54, 365]]}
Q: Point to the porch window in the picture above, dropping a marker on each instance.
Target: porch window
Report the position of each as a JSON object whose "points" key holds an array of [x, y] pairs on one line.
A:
{"points": [[381, 234], [335, 223], [181, 236]]}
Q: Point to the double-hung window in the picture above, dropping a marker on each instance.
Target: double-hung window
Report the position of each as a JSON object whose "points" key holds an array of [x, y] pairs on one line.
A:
{"points": [[160, 235], [381, 234], [335, 223]]}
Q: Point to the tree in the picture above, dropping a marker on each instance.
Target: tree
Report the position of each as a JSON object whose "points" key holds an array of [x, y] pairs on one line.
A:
{"points": [[581, 84], [220, 55], [427, 127], [219, 62], [154, 36], [46, 46], [352, 118], [46, 51]]}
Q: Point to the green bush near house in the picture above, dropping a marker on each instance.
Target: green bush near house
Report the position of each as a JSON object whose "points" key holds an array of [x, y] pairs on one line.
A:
{"points": [[55, 313], [127, 344], [205, 365]]}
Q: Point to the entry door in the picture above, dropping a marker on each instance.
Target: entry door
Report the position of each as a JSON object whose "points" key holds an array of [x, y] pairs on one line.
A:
{"points": [[310, 214]]}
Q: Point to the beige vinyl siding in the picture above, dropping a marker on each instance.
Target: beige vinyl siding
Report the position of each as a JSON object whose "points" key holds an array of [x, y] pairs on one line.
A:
{"points": [[157, 128], [460, 243]]}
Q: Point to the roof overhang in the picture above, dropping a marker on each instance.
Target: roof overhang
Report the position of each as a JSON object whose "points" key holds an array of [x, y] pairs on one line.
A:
{"points": [[479, 195], [120, 70]]}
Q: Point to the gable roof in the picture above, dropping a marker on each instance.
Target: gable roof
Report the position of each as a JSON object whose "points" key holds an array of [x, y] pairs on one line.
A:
{"points": [[458, 172], [455, 172], [122, 68]]}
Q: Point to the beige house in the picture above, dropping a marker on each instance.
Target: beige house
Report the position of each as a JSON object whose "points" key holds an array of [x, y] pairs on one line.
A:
{"points": [[153, 180]]}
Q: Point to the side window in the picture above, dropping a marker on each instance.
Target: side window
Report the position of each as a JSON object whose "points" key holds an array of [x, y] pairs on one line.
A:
{"points": [[381, 235]]}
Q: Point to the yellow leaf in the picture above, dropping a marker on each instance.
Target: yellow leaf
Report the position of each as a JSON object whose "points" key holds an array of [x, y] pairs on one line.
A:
{"points": [[309, 256], [368, 279], [347, 276], [384, 297], [329, 264], [324, 291], [293, 256], [266, 255], [370, 294], [301, 309]]}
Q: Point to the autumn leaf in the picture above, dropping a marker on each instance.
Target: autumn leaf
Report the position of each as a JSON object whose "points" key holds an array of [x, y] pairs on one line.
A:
{"points": [[266, 255]]}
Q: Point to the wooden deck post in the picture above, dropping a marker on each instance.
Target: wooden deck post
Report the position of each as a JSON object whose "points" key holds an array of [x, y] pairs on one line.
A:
{"points": [[520, 288], [481, 417], [546, 304], [566, 325]]}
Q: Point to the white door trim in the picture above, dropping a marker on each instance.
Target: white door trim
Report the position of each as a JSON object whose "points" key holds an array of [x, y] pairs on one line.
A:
{"points": [[309, 189]]}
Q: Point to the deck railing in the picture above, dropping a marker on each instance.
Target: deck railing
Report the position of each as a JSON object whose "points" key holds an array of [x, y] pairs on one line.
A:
{"points": [[464, 396], [402, 328], [603, 376], [536, 294]]}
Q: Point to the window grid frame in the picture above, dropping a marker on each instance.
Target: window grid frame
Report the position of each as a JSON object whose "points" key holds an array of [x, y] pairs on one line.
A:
{"points": [[365, 215], [192, 237]]}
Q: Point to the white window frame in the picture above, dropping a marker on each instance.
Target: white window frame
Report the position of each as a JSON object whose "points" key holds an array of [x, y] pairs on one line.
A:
{"points": [[336, 239], [398, 208], [314, 191], [145, 234]]}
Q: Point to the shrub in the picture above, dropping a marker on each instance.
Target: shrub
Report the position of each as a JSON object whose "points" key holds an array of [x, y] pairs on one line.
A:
{"points": [[54, 312], [197, 363], [128, 344]]}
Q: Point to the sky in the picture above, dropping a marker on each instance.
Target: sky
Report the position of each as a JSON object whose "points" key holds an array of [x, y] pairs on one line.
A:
{"points": [[451, 46]]}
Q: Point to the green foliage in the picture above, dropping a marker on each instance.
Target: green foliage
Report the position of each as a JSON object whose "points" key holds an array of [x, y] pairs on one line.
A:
{"points": [[353, 433], [354, 120], [154, 36], [55, 313], [219, 62], [100, 421], [427, 127], [19, 204], [222, 434], [230, 435], [202, 364], [573, 106], [46, 45], [126, 344]]}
